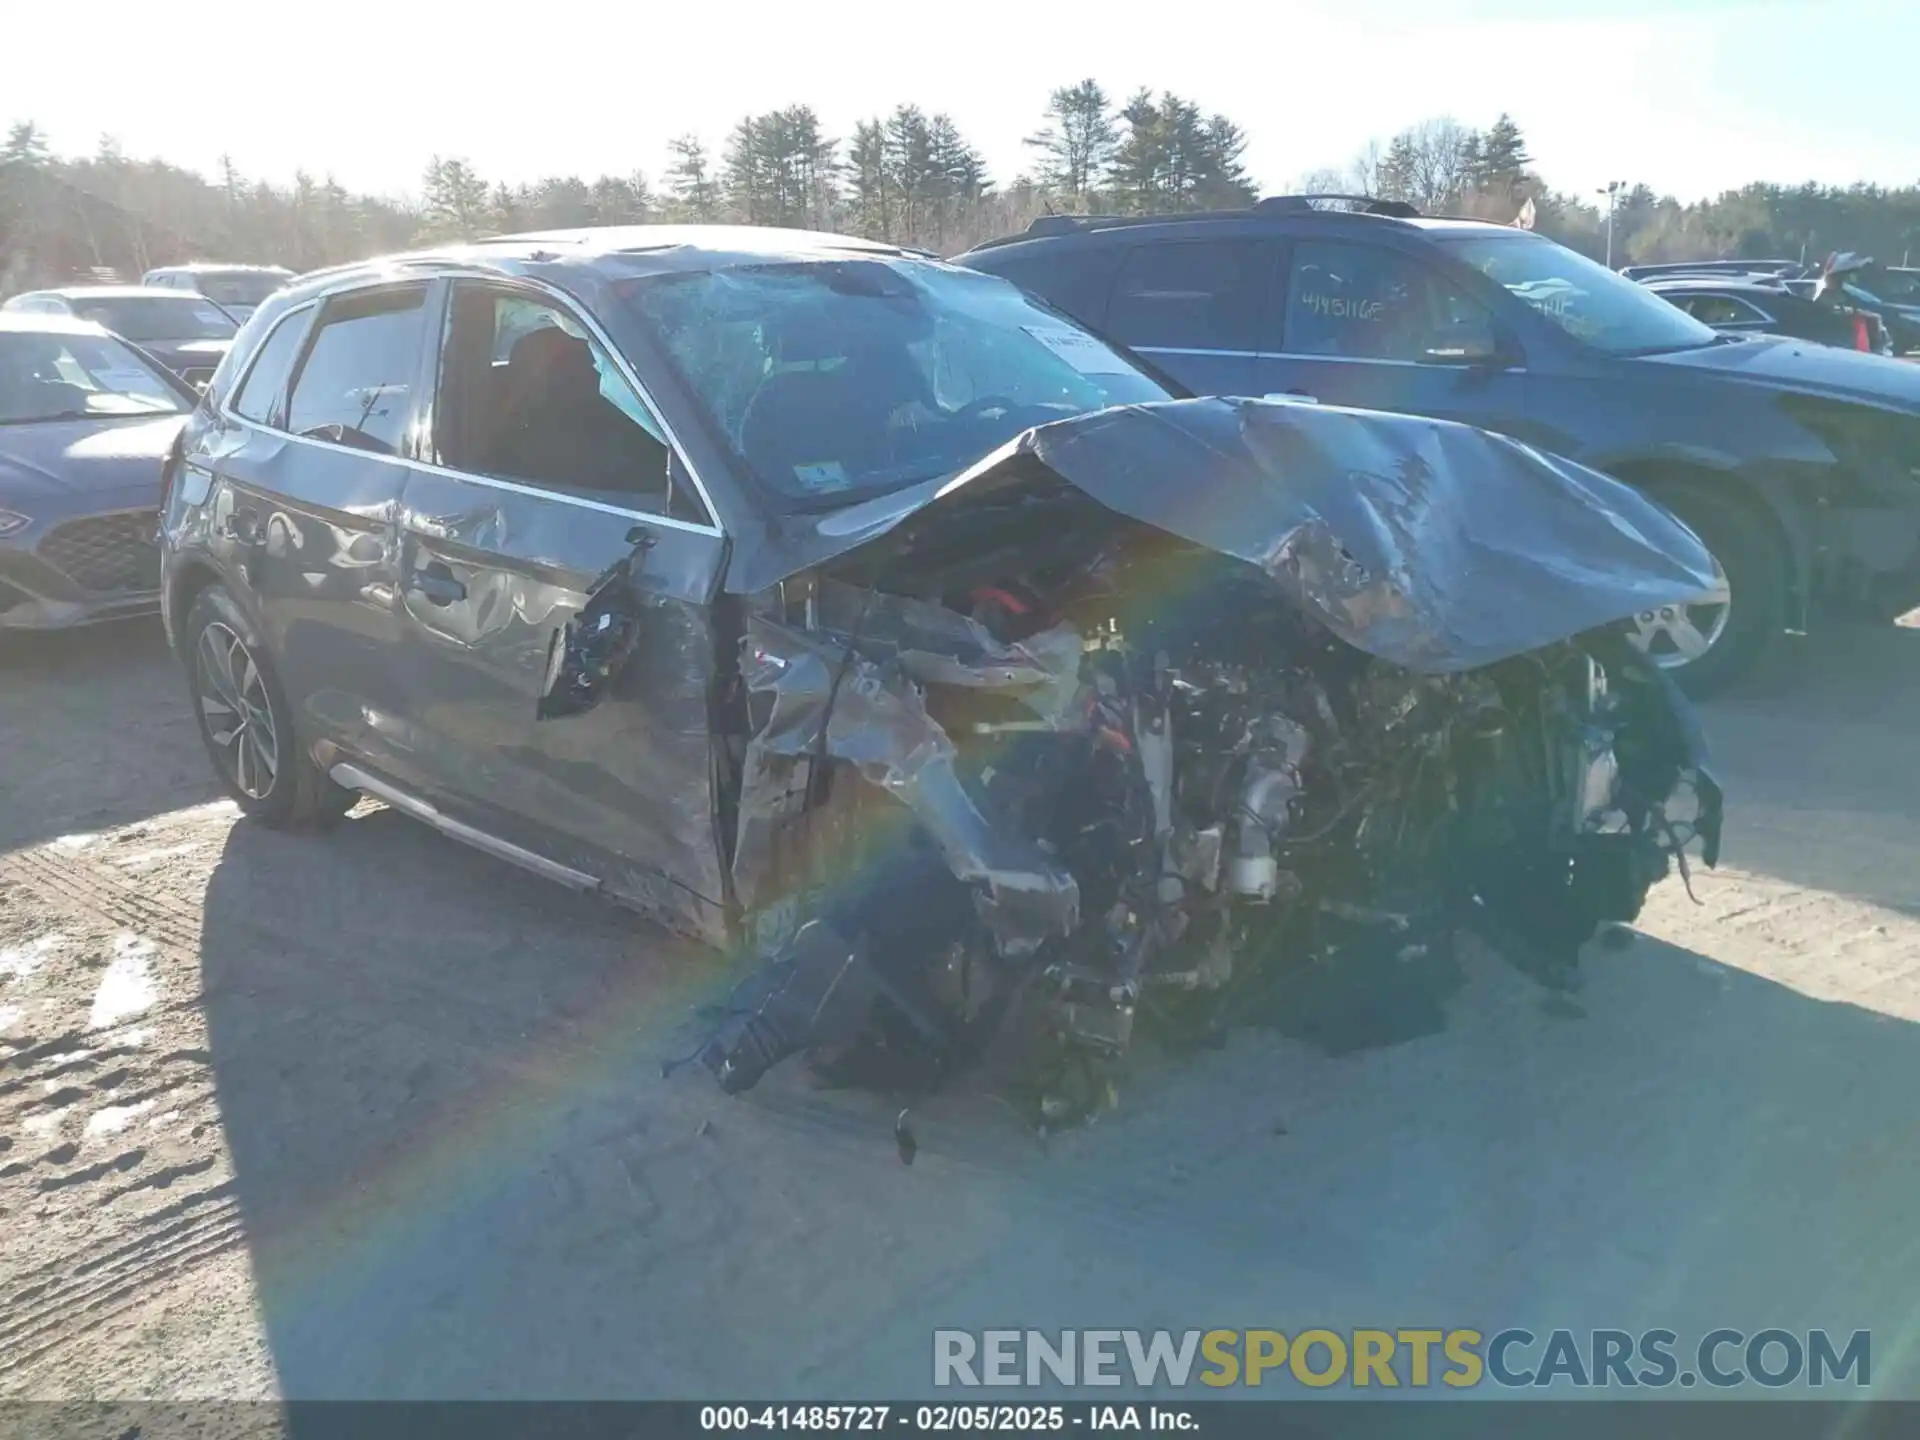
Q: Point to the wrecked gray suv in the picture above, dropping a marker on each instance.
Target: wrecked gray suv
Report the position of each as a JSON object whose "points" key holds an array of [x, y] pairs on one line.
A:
{"points": [[860, 614]]}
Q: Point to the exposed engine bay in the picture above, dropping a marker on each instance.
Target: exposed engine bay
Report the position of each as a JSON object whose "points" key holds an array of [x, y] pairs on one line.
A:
{"points": [[1016, 780]]}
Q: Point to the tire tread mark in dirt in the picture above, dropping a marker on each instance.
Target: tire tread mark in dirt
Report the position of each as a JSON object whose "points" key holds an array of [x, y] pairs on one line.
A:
{"points": [[162, 1227], [46, 1309], [163, 1179], [10, 1087], [50, 1326], [58, 1045], [125, 1160], [66, 1298]]}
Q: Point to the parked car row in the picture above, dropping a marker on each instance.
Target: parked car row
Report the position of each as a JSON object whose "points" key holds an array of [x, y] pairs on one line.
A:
{"points": [[187, 333], [237, 289], [1887, 297], [1745, 305]]}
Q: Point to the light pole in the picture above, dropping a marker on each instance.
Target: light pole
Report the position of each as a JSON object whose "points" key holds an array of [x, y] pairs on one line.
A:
{"points": [[1612, 192]]}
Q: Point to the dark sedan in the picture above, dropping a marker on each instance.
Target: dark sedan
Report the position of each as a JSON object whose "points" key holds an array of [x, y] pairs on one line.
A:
{"points": [[85, 424], [189, 334], [1736, 306]]}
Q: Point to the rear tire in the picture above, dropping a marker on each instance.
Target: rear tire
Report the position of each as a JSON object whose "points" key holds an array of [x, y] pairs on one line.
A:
{"points": [[1755, 567], [246, 723]]}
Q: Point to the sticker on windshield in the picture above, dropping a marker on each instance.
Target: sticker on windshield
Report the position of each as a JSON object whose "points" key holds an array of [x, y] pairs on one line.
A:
{"points": [[822, 477], [208, 315], [1084, 353], [127, 379]]}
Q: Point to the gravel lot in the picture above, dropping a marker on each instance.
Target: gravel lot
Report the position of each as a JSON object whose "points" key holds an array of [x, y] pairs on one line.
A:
{"points": [[373, 1115]]}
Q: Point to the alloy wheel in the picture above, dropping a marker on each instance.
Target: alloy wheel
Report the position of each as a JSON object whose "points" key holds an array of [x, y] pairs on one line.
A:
{"points": [[236, 711], [1676, 635]]}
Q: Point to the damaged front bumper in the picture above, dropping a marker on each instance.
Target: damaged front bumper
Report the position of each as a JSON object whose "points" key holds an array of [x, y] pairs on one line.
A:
{"points": [[1262, 691]]}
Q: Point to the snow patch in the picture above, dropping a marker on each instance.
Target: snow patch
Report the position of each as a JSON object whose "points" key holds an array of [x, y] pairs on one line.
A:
{"points": [[142, 859], [115, 1118], [9, 1017], [74, 842], [127, 987], [18, 962], [42, 1127]]}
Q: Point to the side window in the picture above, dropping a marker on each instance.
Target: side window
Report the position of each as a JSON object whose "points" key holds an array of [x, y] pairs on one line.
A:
{"points": [[356, 384], [1365, 302], [527, 394], [258, 398], [1191, 295], [1723, 310]]}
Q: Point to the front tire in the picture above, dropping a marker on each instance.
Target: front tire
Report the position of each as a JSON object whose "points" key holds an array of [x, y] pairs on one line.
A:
{"points": [[246, 723], [1709, 643]]}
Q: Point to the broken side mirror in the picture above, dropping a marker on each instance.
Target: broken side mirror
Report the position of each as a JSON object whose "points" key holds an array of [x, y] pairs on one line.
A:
{"points": [[587, 654]]}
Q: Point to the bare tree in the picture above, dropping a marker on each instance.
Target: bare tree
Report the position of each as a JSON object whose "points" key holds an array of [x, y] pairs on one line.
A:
{"points": [[1429, 164]]}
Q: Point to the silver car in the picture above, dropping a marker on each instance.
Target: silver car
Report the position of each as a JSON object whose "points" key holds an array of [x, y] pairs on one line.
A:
{"points": [[236, 289], [86, 423], [189, 334]]}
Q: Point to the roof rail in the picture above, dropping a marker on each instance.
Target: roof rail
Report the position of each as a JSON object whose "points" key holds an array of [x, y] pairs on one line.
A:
{"points": [[1044, 225], [1368, 204], [1061, 224]]}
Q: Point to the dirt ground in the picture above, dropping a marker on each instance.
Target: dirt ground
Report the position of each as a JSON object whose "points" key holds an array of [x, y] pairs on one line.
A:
{"points": [[372, 1115]]}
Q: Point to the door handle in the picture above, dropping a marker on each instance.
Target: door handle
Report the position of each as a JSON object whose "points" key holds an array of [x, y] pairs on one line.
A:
{"points": [[437, 585]]}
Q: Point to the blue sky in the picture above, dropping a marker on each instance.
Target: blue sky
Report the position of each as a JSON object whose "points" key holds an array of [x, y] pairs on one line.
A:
{"points": [[1691, 96]]}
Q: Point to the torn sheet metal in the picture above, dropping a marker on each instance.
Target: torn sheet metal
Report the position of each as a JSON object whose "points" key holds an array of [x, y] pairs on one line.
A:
{"points": [[826, 699], [1430, 544]]}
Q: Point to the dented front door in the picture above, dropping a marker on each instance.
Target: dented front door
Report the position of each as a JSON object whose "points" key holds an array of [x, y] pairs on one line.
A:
{"points": [[585, 741]]}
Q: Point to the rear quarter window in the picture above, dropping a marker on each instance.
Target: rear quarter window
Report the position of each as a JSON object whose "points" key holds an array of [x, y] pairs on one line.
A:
{"points": [[259, 396], [1192, 295], [1077, 280]]}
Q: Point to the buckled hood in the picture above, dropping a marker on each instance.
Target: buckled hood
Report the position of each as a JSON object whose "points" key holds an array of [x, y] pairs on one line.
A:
{"points": [[1430, 544]]}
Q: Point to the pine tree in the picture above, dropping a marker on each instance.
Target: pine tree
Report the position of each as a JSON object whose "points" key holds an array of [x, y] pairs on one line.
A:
{"points": [[1503, 159], [506, 210], [871, 200], [909, 158], [1138, 169], [694, 192], [562, 202], [26, 145], [1224, 184], [1077, 143], [956, 175], [455, 199]]}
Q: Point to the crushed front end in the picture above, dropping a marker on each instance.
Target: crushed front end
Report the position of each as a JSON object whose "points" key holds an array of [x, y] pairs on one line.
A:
{"points": [[1037, 764]]}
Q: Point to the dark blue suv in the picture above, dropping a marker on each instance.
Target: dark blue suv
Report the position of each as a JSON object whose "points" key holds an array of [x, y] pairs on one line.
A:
{"points": [[1797, 463]]}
